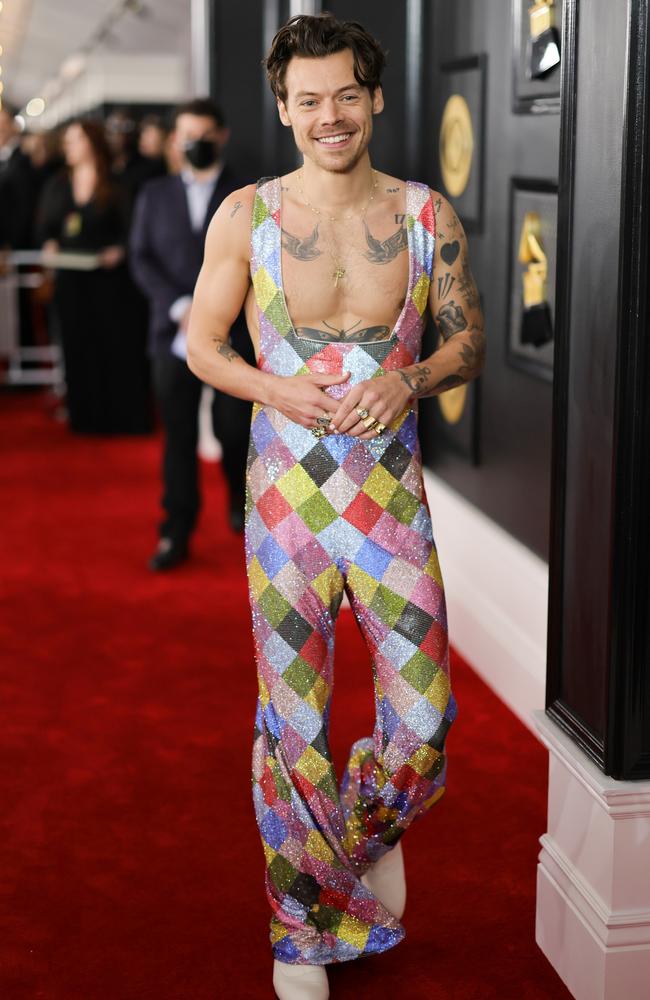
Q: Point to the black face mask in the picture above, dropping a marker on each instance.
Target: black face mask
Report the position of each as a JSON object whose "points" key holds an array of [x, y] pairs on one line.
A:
{"points": [[201, 153]]}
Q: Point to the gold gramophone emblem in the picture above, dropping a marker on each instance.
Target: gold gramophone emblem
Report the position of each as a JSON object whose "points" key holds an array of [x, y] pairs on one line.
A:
{"points": [[456, 145]]}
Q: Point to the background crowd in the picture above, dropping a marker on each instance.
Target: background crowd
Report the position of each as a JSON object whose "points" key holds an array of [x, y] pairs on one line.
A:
{"points": [[120, 208]]}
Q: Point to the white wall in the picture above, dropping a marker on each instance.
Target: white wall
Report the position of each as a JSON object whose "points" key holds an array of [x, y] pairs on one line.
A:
{"points": [[497, 599]]}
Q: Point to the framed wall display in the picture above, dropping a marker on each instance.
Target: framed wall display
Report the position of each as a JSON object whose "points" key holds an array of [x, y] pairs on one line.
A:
{"points": [[536, 56], [449, 422], [462, 137], [457, 420], [531, 270]]}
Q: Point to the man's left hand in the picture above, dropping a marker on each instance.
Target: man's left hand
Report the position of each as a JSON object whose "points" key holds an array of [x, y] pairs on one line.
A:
{"points": [[384, 397]]}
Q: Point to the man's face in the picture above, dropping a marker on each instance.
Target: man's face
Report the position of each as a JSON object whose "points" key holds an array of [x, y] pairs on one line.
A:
{"points": [[191, 127], [329, 112]]}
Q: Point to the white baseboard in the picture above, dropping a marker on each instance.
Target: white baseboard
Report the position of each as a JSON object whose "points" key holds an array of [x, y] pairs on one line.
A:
{"points": [[497, 599], [593, 877]]}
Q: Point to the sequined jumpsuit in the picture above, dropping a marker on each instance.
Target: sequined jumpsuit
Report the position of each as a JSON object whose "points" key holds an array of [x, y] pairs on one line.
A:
{"points": [[324, 516]]}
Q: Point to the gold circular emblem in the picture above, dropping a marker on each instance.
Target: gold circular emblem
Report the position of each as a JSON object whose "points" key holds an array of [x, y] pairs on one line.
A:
{"points": [[456, 145], [452, 403]]}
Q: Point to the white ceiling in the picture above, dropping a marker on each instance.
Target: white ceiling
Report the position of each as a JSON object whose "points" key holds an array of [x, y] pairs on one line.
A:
{"points": [[37, 36]]}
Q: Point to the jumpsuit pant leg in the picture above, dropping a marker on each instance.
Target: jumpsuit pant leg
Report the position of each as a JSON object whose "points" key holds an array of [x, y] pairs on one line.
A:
{"points": [[318, 839]]}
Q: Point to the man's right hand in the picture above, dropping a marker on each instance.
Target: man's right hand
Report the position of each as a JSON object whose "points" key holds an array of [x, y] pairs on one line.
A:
{"points": [[301, 397]]}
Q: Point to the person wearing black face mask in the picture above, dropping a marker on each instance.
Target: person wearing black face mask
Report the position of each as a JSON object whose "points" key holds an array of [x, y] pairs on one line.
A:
{"points": [[201, 153], [166, 251]]}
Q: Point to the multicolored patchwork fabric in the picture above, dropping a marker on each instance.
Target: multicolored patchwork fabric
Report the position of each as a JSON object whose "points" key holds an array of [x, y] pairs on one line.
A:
{"points": [[326, 516]]}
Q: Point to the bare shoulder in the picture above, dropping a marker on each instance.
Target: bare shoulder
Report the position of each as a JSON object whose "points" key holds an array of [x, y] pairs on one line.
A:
{"points": [[229, 230], [448, 225]]}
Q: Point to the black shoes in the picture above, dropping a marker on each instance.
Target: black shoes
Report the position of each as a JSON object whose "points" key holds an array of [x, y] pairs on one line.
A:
{"points": [[169, 553]]}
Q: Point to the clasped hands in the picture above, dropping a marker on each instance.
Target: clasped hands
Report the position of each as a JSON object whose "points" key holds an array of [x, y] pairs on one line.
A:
{"points": [[304, 399]]}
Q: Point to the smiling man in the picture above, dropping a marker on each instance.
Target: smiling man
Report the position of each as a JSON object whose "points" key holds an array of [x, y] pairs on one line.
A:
{"points": [[336, 264]]}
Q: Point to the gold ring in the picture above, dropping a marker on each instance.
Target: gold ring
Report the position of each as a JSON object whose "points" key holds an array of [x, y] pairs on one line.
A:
{"points": [[318, 432], [323, 421], [363, 413], [380, 428], [369, 422]]}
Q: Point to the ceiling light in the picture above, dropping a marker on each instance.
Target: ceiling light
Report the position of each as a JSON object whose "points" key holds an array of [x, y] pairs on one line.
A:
{"points": [[35, 107]]}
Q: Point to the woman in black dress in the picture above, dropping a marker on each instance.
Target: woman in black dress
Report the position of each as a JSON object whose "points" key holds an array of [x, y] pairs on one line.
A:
{"points": [[102, 330]]}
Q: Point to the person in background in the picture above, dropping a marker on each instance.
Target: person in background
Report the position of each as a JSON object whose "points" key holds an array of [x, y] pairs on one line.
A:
{"points": [[131, 170], [152, 142], [44, 152], [17, 200], [17, 186], [82, 210], [166, 251]]}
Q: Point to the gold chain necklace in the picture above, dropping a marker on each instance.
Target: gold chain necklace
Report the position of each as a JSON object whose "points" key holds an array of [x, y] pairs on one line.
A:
{"points": [[339, 270]]}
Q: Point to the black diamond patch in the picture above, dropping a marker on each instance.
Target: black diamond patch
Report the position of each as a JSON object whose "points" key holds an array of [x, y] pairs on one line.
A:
{"points": [[305, 889], [413, 623], [319, 464], [396, 458], [320, 743], [438, 743], [294, 629]]}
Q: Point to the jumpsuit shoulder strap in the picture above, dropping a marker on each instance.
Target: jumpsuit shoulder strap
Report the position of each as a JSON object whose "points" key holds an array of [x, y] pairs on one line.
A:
{"points": [[421, 223], [265, 228]]}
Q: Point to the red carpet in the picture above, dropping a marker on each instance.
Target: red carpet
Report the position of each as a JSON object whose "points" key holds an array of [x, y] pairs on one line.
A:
{"points": [[130, 866]]}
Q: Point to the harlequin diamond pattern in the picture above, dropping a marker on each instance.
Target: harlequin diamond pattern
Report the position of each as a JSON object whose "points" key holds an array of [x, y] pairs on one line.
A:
{"points": [[324, 515]]}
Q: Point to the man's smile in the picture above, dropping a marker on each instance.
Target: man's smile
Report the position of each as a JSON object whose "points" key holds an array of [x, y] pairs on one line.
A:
{"points": [[334, 140]]}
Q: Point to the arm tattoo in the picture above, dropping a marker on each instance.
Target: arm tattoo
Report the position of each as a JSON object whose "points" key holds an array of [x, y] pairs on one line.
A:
{"points": [[445, 284], [301, 247], [384, 251], [235, 209], [399, 218], [472, 355], [449, 252], [467, 285], [451, 320], [416, 380], [392, 190], [225, 350], [351, 334]]}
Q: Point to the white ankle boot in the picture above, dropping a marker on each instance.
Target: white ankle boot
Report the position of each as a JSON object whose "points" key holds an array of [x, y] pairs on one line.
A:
{"points": [[387, 881], [300, 982]]}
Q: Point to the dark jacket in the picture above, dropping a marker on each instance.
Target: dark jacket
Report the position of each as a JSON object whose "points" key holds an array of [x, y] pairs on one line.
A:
{"points": [[17, 202], [166, 255]]}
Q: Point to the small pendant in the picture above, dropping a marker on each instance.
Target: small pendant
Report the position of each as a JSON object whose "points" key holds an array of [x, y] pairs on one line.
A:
{"points": [[338, 274]]}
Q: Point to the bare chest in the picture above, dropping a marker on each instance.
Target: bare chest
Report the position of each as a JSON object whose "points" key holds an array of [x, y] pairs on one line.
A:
{"points": [[346, 277]]}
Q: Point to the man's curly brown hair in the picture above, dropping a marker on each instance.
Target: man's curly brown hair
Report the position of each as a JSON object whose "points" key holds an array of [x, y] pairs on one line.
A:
{"points": [[321, 35]]}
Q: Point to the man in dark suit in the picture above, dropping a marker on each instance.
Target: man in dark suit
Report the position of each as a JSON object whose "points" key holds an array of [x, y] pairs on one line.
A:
{"points": [[17, 209], [166, 251], [17, 187]]}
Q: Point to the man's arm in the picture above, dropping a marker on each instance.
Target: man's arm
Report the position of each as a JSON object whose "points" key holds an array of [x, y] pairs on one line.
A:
{"points": [[219, 295], [455, 305], [456, 308]]}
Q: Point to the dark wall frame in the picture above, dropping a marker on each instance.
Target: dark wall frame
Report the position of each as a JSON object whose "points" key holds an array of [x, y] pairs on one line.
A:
{"points": [[543, 103], [479, 61], [628, 751], [622, 749], [545, 186]]}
